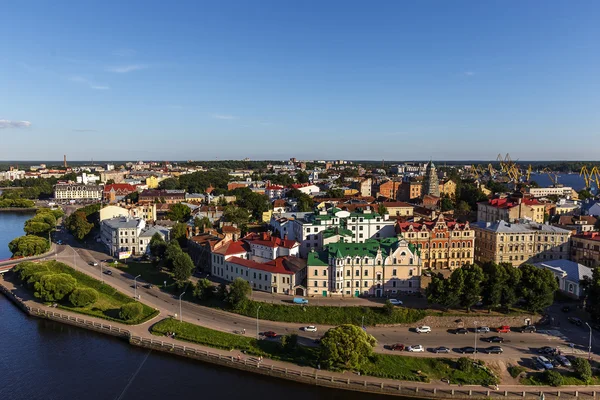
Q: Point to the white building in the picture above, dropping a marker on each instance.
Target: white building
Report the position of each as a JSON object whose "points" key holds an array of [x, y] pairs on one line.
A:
{"points": [[12, 175], [88, 179], [275, 191], [125, 237], [560, 191], [569, 275], [69, 191]]}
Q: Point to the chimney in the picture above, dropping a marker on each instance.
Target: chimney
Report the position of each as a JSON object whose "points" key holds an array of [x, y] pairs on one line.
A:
{"points": [[65, 160], [265, 236]]}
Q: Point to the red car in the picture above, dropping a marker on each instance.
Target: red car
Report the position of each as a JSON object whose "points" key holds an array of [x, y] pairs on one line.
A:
{"points": [[270, 334], [397, 347], [504, 329]]}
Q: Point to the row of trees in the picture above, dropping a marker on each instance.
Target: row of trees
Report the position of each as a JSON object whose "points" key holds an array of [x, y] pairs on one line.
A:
{"points": [[497, 286], [16, 203], [39, 188], [37, 229], [173, 258]]}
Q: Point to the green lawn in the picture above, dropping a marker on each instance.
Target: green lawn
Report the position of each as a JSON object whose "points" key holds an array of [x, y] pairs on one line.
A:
{"points": [[386, 366], [109, 301], [569, 378], [149, 271]]}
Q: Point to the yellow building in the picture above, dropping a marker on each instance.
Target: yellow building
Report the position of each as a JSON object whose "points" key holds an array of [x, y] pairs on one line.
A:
{"points": [[153, 181], [448, 187]]}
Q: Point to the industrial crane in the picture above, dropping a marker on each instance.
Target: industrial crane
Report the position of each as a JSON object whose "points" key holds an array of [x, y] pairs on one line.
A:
{"points": [[586, 176], [553, 177], [595, 176], [529, 173]]}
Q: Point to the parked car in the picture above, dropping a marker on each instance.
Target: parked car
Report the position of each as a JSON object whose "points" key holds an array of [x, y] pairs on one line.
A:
{"points": [[93, 263], [546, 350], [575, 320], [108, 272], [310, 328], [504, 329], [423, 329], [494, 350], [467, 350], [300, 300], [564, 361], [148, 286], [528, 329], [441, 349], [482, 329], [397, 347], [493, 339], [416, 348], [566, 309], [461, 331], [396, 302], [270, 334], [543, 362]]}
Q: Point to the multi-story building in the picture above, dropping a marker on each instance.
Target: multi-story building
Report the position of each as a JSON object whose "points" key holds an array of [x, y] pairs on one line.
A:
{"points": [[410, 189], [11, 175], [398, 208], [448, 187], [561, 191], [159, 196], [577, 223], [275, 191], [125, 237], [569, 275], [309, 229], [116, 192], [70, 191], [147, 212], [389, 189], [511, 209], [585, 249], [519, 243], [442, 243], [375, 267]]}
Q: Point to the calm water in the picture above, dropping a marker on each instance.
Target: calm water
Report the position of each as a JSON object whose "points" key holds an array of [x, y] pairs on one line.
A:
{"points": [[572, 180], [45, 360]]}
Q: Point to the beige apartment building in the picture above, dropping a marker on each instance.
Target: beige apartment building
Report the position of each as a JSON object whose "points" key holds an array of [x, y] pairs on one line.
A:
{"points": [[511, 209], [519, 243], [585, 249], [378, 268]]}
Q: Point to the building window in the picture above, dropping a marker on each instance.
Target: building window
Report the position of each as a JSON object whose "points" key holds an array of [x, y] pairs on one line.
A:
{"points": [[347, 272], [316, 272], [316, 284], [325, 284], [394, 272]]}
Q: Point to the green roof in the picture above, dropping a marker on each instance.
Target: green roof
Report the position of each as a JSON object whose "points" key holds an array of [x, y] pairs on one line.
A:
{"points": [[340, 250], [316, 258], [327, 233]]}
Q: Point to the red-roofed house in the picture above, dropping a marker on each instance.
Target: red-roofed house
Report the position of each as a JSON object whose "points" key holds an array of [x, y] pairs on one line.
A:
{"points": [[116, 192], [282, 275], [511, 209], [264, 247], [306, 188], [275, 191]]}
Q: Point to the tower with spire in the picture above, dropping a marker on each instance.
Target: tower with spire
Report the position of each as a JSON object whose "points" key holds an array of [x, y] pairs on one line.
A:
{"points": [[431, 184]]}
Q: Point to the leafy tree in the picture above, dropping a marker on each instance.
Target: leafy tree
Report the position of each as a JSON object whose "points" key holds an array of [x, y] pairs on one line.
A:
{"points": [[203, 289], [510, 291], [236, 215], [182, 267], [30, 245], [346, 346], [179, 212], [255, 203], [381, 209], [388, 307], [289, 342], [537, 287], [158, 246], [78, 225], [591, 288], [169, 184], [202, 223], [553, 378], [54, 287], [37, 227], [534, 184], [582, 369], [238, 293], [493, 285], [132, 197], [463, 207], [446, 203], [302, 176], [471, 286], [172, 250], [464, 364], [585, 194], [335, 193], [442, 291], [131, 311], [82, 297], [179, 233]]}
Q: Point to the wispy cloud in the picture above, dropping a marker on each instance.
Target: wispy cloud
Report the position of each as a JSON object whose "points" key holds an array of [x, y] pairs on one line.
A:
{"points": [[84, 130], [6, 124], [123, 69], [124, 53], [90, 84], [468, 73], [224, 116]]}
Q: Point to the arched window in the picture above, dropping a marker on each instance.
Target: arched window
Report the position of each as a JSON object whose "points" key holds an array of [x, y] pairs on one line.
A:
{"points": [[453, 245], [403, 253], [433, 245], [358, 260], [452, 263], [348, 260], [571, 288]]}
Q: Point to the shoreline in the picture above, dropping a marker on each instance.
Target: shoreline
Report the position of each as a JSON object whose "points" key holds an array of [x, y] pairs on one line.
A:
{"points": [[18, 209], [294, 373]]}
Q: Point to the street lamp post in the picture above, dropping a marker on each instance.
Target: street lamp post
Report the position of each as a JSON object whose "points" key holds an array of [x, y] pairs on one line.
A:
{"points": [[590, 343], [363, 322], [101, 276], [257, 310], [180, 316], [135, 286], [475, 353]]}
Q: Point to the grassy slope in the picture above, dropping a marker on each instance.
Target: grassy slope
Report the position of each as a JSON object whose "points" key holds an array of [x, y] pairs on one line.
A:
{"points": [[388, 366]]}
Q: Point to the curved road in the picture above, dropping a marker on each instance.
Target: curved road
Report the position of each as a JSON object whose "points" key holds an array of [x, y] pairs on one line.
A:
{"points": [[516, 345]]}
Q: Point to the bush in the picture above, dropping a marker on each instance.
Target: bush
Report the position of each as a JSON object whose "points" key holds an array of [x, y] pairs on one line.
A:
{"points": [[464, 364], [388, 308], [515, 370], [553, 378], [29, 245], [289, 342], [82, 297], [131, 311], [582, 369]]}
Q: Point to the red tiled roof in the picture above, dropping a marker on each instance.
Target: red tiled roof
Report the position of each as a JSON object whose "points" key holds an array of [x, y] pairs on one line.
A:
{"points": [[397, 204], [417, 226], [595, 236], [231, 248], [267, 240], [506, 202], [276, 266], [274, 187], [119, 187], [279, 203]]}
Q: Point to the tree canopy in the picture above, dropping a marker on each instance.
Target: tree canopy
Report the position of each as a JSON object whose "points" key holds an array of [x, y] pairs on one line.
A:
{"points": [[182, 267], [238, 293], [54, 287], [538, 286], [29, 245], [346, 346], [179, 212]]}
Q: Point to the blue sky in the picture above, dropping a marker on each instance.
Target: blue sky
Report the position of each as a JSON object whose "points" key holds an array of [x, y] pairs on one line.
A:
{"points": [[393, 80]]}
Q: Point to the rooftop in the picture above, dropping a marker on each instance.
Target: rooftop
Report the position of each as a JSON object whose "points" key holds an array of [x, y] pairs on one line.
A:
{"points": [[509, 227], [122, 222], [574, 272]]}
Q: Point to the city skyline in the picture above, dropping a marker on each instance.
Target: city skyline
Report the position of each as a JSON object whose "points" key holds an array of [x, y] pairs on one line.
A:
{"points": [[394, 81]]}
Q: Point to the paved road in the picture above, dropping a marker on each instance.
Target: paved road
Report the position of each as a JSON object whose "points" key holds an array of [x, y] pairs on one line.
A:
{"points": [[516, 345]]}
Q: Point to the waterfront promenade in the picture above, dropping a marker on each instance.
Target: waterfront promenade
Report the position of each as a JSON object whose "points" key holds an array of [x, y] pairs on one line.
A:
{"points": [[139, 335]]}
